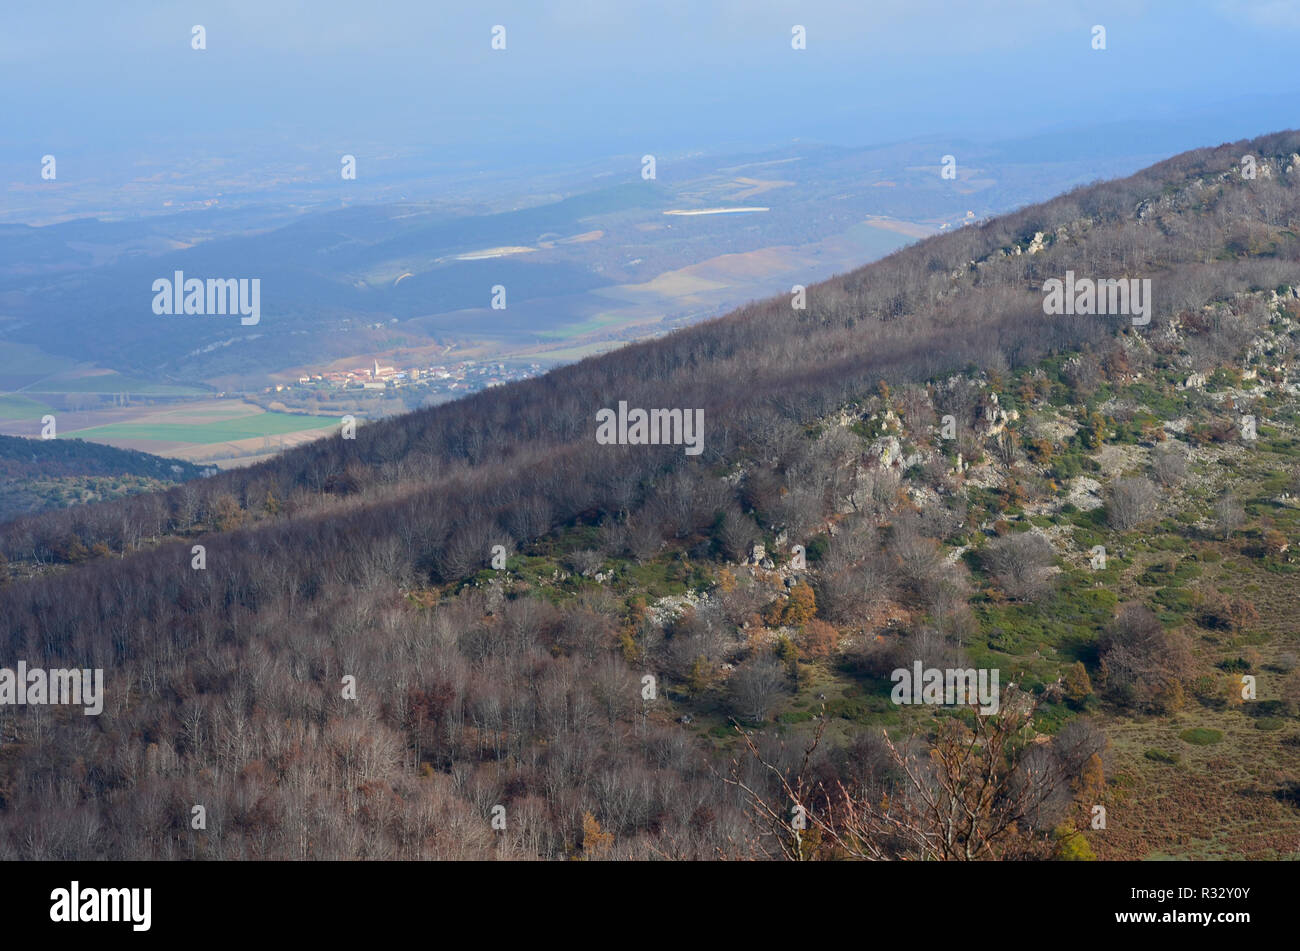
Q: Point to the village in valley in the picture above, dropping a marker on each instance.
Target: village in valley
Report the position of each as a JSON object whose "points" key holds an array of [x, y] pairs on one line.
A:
{"points": [[455, 379]]}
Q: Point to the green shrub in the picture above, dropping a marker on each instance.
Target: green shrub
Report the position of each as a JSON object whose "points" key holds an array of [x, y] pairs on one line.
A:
{"points": [[1160, 756], [1071, 846], [1175, 599], [816, 549]]}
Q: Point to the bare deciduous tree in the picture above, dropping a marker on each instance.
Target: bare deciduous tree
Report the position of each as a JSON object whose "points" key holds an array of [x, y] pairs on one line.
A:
{"points": [[1021, 564], [754, 687], [970, 792], [1169, 465], [1131, 502], [1228, 514], [736, 534], [1144, 664]]}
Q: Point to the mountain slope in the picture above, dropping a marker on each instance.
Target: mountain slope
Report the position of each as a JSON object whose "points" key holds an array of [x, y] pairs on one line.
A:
{"points": [[370, 558], [37, 473]]}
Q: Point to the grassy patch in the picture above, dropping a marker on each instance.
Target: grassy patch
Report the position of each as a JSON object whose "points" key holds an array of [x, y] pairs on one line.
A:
{"points": [[229, 430], [1160, 756], [20, 407]]}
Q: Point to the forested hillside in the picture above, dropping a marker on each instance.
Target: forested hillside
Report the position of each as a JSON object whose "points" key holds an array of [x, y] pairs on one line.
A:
{"points": [[37, 474], [1100, 509]]}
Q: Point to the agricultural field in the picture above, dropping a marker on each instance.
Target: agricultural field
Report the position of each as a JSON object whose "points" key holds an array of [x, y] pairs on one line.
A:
{"points": [[25, 369], [212, 432]]}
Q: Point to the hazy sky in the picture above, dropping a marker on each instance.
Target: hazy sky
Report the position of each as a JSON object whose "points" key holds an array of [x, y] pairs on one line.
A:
{"points": [[601, 77]]}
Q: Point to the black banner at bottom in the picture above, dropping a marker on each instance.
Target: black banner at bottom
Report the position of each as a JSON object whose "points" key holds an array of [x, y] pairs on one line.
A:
{"points": [[133, 900]]}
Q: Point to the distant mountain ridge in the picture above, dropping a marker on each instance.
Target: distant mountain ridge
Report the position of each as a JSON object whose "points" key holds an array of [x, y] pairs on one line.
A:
{"points": [[329, 277], [41, 473]]}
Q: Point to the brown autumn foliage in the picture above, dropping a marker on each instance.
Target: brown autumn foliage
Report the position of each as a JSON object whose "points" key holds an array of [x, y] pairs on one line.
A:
{"points": [[225, 683]]}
